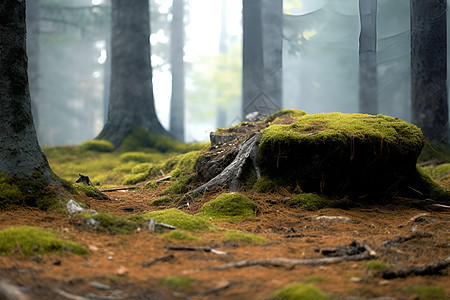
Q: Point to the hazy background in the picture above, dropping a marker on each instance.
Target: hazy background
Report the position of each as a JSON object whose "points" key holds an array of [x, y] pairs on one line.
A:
{"points": [[320, 63]]}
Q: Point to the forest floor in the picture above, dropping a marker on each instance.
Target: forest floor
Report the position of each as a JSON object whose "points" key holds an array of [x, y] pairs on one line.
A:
{"points": [[132, 266]]}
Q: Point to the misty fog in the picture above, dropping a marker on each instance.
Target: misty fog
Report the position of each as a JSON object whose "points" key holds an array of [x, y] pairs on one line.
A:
{"points": [[320, 63]]}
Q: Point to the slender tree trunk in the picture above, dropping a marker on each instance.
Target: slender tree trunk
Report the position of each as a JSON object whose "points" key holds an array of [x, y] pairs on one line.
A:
{"points": [[131, 102], [261, 80], [33, 15], [20, 154], [429, 67], [368, 83], [177, 65]]}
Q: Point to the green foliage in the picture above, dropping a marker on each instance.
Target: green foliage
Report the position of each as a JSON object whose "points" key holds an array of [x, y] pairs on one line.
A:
{"points": [[341, 154], [175, 218], [29, 191], [264, 184], [175, 173], [427, 291], [150, 185], [232, 207], [299, 291], [33, 241], [134, 178], [439, 172], [97, 146], [429, 187], [375, 265], [237, 235], [161, 201], [308, 201], [180, 235], [438, 151], [284, 113], [176, 282], [184, 162]]}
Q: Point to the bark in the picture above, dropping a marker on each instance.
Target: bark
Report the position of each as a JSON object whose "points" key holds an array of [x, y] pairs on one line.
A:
{"points": [[131, 102], [20, 153], [429, 67], [429, 269], [368, 83], [177, 65], [261, 80], [33, 15]]}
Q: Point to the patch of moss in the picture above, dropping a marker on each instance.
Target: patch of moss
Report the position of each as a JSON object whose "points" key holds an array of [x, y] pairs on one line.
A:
{"points": [[33, 241], [438, 151], [116, 225], [314, 278], [308, 201], [427, 291], [134, 178], [97, 146], [161, 201], [29, 191], [180, 235], [237, 235], [375, 265], [299, 291], [340, 154], [176, 218], [424, 186], [232, 207], [88, 190], [176, 282], [184, 162], [180, 186], [439, 172], [175, 173], [141, 157], [264, 184], [150, 185], [284, 113]]}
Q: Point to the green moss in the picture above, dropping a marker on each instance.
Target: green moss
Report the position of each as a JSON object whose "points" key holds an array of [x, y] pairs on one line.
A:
{"points": [[232, 207], [264, 184], [29, 191], [116, 225], [427, 291], [180, 235], [180, 186], [176, 282], [439, 172], [161, 201], [141, 157], [175, 173], [134, 178], [237, 235], [33, 241], [340, 154], [423, 185], [150, 185], [308, 201], [88, 190], [176, 218], [97, 146], [284, 113], [314, 278], [184, 162], [438, 151], [375, 265], [299, 291]]}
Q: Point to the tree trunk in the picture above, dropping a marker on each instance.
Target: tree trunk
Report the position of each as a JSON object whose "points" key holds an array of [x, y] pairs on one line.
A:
{"points": [[177, 65], [131, 102], [33, 15], [259, 67], [429, 67], [368, 83], [20, 154]]}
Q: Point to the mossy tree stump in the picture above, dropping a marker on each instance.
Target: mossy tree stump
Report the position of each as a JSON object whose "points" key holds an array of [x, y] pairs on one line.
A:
{"points": [[334, 154]]}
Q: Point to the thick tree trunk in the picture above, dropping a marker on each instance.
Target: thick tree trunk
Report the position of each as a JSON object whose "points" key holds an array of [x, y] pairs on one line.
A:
{"points": [[33, 15], [368, 83], [177, 65], [20, 154], [429, 67], [131, 102], [261, 80]]}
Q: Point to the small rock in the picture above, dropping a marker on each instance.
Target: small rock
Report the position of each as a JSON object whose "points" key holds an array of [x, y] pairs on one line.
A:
{"points": [[356, 279], [73, 207], [333, 218], [93, 248], [92, 223]]}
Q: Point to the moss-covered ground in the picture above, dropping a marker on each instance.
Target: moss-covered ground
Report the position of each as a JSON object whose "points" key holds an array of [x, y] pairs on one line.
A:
{"points": [[263, 220]]}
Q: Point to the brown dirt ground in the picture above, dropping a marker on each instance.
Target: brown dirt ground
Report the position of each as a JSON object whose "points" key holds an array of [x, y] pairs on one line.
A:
{"points": [[118, 260]]}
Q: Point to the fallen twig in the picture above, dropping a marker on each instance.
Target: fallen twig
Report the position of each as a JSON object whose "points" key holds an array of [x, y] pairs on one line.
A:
{"points": [[152, 225], [402, 239], [69, 296], [223, 286], [163, 258], [9, 291], [205, 249], [120, 189], [429, 269]]}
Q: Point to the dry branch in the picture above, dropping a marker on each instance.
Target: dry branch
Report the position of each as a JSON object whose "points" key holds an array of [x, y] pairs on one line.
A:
{"points": [[429, 269], [205, 249]]}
